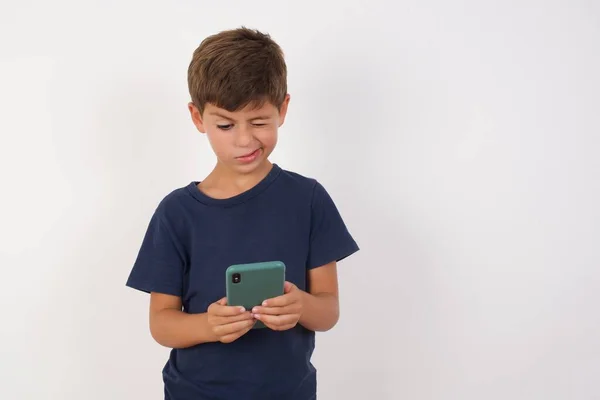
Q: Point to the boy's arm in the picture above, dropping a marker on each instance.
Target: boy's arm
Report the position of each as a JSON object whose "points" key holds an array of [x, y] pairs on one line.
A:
{"points": [[173, 328], [320, 305]]}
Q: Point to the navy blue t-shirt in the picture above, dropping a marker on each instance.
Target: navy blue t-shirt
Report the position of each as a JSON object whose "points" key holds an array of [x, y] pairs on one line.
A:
{"points": [[192, 239]]}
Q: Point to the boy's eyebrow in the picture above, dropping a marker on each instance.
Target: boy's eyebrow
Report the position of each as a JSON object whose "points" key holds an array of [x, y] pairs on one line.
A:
{"points": [[217, 114], [260, 117]]}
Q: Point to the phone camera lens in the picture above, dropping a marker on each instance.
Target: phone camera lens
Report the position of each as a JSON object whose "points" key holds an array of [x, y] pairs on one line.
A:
{"points": [[236, 278]]}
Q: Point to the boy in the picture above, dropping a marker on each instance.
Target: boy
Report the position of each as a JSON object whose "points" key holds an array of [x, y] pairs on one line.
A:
{"points": [[246, 210]]}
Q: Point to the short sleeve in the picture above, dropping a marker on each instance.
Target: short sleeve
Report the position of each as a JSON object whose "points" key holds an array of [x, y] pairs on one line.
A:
{"points": [[330, 239], [159, 265]]}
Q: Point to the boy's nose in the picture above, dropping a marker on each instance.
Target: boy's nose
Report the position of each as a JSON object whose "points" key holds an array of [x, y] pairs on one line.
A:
{"points": [[243, 137]]}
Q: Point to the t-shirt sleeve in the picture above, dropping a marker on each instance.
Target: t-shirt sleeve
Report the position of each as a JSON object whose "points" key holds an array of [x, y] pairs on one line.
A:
{"points": [[159, 266], [330, 239]]}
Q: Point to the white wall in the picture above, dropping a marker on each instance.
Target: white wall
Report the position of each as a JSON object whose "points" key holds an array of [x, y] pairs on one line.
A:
{"points": [[460, 139]]}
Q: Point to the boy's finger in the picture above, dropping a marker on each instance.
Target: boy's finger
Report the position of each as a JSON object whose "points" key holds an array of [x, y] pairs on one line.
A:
{"points": [[288, 287], [280, 327], [234, 327], [279, 301], [236, 335], [291, 309], [276, 320], [234, 318], [228, 311]]}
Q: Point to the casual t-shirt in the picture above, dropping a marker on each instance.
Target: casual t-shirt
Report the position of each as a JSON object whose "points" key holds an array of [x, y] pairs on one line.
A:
{"points": [[192, 239]]}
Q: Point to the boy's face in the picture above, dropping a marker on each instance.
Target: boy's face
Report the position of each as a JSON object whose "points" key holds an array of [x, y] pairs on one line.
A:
{"points": [[242, 140]]}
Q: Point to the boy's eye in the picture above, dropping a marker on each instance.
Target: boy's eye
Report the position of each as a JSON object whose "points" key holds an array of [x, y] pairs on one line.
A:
{"points": [[225, 127], [259, 124]]}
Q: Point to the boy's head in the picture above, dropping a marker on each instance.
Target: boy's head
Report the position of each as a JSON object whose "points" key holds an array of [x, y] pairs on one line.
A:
{"points": [[238, 84]]}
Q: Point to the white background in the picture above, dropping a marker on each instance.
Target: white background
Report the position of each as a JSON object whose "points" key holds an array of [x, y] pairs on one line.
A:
{"points": [[460, 140]]}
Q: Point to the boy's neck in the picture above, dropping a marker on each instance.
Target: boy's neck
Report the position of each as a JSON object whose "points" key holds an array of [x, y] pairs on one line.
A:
{"points": [[224, 182]]}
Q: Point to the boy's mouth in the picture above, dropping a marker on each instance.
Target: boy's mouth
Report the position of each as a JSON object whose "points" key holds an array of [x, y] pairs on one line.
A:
{"points": [[250, 156]]}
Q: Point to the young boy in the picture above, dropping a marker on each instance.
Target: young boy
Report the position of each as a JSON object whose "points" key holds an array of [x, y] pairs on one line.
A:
{"points": [[246, 210]]}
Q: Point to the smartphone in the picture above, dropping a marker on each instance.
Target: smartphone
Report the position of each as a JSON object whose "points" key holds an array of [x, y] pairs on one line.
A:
{"points": [[248, 285]]}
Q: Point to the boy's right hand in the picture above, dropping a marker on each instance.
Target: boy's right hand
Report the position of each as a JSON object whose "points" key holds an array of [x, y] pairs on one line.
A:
{"points": [[228, 323]]}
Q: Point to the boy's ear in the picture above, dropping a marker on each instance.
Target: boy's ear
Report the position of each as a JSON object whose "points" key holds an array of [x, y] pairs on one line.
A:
{"points": [[283, 109], [196, 117]]}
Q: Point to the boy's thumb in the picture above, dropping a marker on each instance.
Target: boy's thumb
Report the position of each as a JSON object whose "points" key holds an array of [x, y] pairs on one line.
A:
{"points": [[287, 287]]}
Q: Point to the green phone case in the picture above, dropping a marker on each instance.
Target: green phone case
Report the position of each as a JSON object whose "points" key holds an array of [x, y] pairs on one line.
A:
{"points": [[248, 285]]}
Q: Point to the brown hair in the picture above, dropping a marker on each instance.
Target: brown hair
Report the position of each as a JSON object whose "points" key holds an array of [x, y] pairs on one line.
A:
{"points": [[235, 68]]}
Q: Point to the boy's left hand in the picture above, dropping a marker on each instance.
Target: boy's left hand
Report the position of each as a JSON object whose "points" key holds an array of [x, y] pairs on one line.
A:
{"points": [[283, 312]]}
